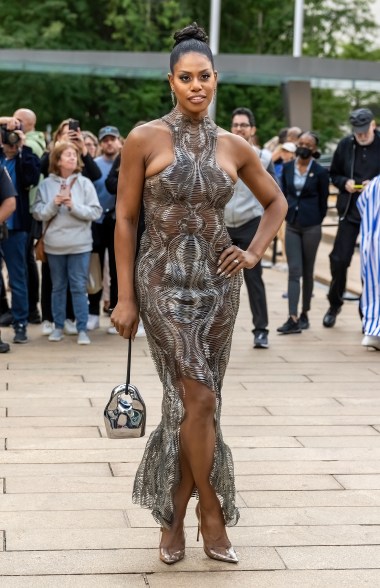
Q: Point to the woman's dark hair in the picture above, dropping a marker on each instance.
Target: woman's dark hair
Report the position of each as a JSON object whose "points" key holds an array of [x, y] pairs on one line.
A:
{"points": [[311, 134], [188, 40], [316, 153]]}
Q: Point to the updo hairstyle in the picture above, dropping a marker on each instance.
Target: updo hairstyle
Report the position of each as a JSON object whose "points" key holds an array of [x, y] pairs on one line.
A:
{"points": [[191, 39]]}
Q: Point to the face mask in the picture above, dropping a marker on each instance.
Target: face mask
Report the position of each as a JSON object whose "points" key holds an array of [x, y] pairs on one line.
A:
{"points": [[303, 152]]}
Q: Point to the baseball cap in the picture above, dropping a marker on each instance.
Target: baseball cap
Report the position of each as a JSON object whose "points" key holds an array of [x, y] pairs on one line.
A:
{"points": [[360, 120], [112, 131], [289, 146]]}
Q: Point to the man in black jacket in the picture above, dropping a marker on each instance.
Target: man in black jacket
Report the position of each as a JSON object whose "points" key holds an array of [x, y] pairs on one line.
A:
{"points": [[7, 207], [355, 162], [24, 169]]}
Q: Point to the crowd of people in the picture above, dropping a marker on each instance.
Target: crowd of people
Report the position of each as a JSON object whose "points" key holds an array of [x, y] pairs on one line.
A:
{"points": [[67, 189]]}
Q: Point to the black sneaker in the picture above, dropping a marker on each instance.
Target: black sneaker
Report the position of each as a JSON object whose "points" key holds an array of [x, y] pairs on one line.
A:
{"points": [[304, 321], [34, 317], [20, 334], [260, 340], [4, 347], [290, 327], [6, 319]]}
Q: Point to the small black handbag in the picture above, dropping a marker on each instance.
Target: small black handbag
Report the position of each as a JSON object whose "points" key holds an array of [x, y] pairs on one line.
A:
{"points": [[125, 412]]}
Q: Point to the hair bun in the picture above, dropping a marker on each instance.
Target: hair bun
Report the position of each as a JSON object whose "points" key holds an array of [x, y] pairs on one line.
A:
{"points": [[192, 31]]}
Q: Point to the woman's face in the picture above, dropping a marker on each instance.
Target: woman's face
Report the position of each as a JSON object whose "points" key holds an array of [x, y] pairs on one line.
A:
{"points": [[68, 161], [91, 147], [193, 82], [64, 134]]}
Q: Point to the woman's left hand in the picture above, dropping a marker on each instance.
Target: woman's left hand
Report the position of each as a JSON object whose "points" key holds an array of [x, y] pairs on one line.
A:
{"points": [[233, 259]]}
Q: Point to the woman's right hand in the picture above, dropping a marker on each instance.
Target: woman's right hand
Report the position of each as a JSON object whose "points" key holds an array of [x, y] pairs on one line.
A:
{"points": [[125, 319]]}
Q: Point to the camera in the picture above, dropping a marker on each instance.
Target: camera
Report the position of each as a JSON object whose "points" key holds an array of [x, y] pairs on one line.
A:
{"points": [[10, 137]]}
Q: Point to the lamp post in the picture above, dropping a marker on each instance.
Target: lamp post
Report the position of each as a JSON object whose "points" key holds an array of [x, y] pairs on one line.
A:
{"points": [[215, 10], [298, 28]]}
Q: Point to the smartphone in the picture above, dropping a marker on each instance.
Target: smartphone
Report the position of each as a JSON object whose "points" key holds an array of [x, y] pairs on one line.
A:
{"points": [[73, 124], [65, 189]]}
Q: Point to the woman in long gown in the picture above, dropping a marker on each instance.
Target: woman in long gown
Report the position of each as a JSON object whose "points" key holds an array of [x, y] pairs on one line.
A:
{"points": [[185, 283]]}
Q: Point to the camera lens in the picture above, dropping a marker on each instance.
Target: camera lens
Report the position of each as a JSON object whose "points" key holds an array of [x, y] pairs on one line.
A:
{"points": [[13, 138]]}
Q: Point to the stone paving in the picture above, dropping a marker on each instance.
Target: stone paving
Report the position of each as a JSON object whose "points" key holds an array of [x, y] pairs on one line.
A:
{"points": [[303, 422]]}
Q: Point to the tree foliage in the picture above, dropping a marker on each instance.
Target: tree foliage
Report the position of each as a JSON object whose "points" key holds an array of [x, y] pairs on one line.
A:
{"points": [[332, 29]]}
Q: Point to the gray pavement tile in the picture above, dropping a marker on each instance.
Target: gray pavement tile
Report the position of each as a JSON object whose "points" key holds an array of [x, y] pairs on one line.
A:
{"points": [[87, 519], [54, 432], [314, 498], [342, 441], [299, 430], [332, 557], [360, 481], [68, 484], [281, 468], [286, 482], [76, 581], [122, 561], [259, 579], [55, 469], [68, 456]]}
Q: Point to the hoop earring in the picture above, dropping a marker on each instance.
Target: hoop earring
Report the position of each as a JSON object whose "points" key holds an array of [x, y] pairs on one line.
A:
{"points": [[173, 98]]}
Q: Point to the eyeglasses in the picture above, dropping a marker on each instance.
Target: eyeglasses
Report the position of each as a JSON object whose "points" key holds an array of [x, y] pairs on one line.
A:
{"points": [[241, 125]]}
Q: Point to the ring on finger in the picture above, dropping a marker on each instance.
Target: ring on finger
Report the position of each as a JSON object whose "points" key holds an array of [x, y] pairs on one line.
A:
{"points": [[236, 261]]}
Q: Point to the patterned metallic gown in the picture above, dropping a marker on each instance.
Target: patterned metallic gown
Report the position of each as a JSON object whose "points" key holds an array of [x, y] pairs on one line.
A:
{"points": [[188, 310]]}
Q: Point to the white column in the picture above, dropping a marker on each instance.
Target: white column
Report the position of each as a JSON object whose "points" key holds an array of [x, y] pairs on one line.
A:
{"points": [[215, 10], [298, 28]]}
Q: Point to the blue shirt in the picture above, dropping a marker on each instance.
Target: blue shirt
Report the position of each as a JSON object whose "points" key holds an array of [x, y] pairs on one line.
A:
{"points": [[300, 179], [107, 200], [10, 165]]}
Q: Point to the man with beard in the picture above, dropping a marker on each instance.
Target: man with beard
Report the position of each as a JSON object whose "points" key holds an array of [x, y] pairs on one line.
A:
{"points": [[355, 162]]}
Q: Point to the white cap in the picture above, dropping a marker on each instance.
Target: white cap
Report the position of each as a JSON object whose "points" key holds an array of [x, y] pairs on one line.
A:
{"points": [[289, 146]]}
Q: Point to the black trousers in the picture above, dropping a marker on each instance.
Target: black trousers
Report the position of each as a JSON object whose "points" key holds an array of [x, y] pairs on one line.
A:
{"points": [[33, 277], [340, 260], [103, 235], [242, 237]]}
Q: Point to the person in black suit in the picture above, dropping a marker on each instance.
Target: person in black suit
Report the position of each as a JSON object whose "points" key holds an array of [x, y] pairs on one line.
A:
{"points": [[305, 184]]}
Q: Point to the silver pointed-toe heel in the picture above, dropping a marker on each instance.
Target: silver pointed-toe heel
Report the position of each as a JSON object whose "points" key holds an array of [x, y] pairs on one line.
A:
{"points": [[226, 554], [170, 557]]}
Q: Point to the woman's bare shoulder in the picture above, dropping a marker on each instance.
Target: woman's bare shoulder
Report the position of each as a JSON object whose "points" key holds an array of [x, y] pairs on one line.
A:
{"points": [[148, 130], [234, 143]]}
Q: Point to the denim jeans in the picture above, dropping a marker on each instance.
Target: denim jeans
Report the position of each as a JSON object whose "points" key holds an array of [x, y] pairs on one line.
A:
{"points": [[69, 269], [14, 254]]}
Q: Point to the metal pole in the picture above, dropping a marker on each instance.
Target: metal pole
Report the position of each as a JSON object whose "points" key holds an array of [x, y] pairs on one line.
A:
{"points": [[298, 28], [215, 10]]}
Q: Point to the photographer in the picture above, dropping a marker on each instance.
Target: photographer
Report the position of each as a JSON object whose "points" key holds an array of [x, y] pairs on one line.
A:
{"points": [[7, 207], [24, 169]]}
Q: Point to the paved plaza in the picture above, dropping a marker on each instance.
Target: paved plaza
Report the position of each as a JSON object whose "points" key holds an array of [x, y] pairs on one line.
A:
{"points": [[303, 422]]}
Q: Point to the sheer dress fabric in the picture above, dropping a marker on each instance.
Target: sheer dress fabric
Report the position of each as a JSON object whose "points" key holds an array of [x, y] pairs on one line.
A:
{"points": [[187, 309]]}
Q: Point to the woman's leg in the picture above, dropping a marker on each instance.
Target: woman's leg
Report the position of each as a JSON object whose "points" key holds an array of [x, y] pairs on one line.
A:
{"points": [[310, 241], [78, 266], [294, 255], [197, 437], [58, 272]]}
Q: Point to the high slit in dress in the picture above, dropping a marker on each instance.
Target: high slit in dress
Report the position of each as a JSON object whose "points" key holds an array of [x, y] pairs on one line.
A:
{"points": [[187, 309]]}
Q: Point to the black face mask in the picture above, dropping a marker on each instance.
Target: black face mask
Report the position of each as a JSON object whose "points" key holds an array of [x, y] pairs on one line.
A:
{"points": [[303, 152]]}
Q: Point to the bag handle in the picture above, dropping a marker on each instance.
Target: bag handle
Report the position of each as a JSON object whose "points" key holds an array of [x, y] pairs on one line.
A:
{"points": [[129, 365]]}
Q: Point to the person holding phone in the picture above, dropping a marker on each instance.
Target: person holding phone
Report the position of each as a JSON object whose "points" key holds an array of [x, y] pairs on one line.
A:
{"points": [[67, 203], [356, 161]]}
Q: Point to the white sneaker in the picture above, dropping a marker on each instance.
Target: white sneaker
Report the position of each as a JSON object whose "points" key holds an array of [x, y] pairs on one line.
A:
{"points": [[371, 341], [92, 322], [83, 338], [69, 327], [57, 335], [47, 328], [140, 330], [112, 331]]}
